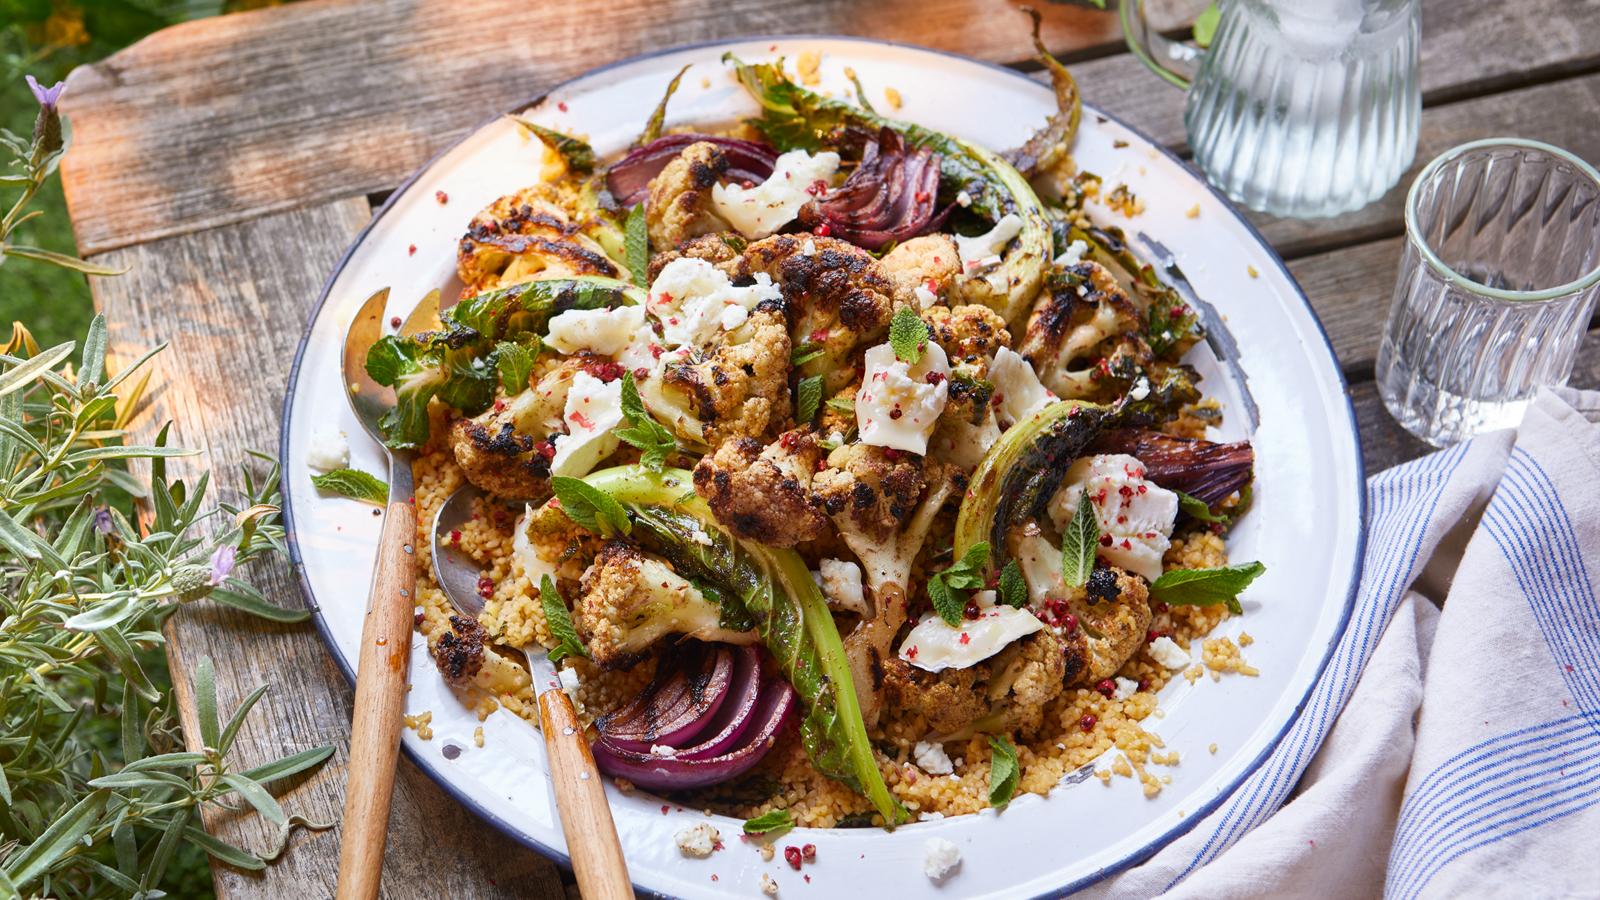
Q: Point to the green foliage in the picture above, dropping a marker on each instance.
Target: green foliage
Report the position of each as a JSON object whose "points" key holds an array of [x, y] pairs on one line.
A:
{"points": [[1078, 544], [653, 439], [808, 399], [947, 589], [353, 483], [574, 152], [1206, 587], [908, 335], [1013, 587], [91, 809], [772, 823], [559, 621], [1003, 771]]}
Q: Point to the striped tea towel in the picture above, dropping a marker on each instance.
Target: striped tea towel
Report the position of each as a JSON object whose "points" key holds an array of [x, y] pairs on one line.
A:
{"points": [[1452, 754]]}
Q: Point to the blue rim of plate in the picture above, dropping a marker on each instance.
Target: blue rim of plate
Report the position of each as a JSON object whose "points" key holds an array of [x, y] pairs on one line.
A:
{"points": [[429, 767]]}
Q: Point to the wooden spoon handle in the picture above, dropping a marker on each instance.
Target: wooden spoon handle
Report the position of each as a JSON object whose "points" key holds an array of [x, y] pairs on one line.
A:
{"points": [[379, 704], [581, 799]]}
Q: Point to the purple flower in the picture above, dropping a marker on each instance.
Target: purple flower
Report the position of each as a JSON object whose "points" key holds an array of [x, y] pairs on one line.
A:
{"points": [[221, 564], [102, 521], [47, 96]]}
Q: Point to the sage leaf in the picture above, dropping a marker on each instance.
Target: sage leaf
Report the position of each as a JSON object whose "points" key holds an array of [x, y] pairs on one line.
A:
{"points": [[1078, 544]]}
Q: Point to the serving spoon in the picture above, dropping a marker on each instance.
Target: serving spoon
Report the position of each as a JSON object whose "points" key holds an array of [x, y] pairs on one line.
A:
{"points": [[591, 834]]}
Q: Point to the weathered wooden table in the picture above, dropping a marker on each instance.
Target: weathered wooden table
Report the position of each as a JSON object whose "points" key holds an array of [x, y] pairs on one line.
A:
{"points": [[228, 162]]}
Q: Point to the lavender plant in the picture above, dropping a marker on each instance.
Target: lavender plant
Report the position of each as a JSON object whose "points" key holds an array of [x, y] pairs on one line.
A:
{"points": [[97, 789]]}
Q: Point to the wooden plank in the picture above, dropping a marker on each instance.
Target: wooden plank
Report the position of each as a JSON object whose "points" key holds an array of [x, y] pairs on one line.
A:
{"points": [[220, 120], [1384, 443], [232, 303]]}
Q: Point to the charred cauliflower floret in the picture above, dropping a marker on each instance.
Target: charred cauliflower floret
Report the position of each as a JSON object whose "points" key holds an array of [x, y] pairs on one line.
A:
{"points": [[466, 660], [869, 490], [716, 248], [930, 262], [679, 206], [528, 235], [629, 600], [505, 450], [1003, 694], [969, 334], [741, 389], [836, 295], [1113, 615], [1085, 346], [764, 493]]}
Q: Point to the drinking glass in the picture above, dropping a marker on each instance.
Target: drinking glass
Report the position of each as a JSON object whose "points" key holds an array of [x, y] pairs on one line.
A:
{"points": [[1300, 108], [1499, 277]]}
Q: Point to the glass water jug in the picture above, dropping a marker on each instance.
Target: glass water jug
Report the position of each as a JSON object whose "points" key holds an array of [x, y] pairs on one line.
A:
{"points": [[1300, 108]]}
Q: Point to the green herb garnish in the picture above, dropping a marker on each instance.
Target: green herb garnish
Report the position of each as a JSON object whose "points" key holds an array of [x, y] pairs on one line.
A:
{"points": [[355, 484], [643, 431], [1206, 587], [575, 152], [1195, 508], [808, 399], [948, 589], [908, 335], [589, 507], [1013, 587], [1003, 771], [636, 245], [772, 823], [1078, 544], [559, 623], [514, 361]]}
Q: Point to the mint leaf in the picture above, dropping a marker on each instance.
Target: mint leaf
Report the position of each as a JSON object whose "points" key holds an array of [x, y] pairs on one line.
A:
{"points": [[559, 622], [950, 604], [643, 431], [1013, 587], [908, 335], [804, 353], [1206, 587], [353, 484], [636, 246], [772, 822], [1197, 509], [514, 362], [1004, 771], [808, 398], [589, 506], [947, 589], [1078, 543]]}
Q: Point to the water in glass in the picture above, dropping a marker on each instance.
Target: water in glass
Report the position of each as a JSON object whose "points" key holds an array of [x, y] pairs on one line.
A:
{"points": [[1308, 108]]}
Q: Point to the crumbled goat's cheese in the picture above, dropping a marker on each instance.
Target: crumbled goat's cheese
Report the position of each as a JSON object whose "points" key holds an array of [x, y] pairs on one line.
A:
{"points": [[604, 331], [329, 450], [1166, 652], [692, 300], [898, 404], [761, 210], [940, 858], [840, 581], [1018, 393], [593, 412], [935, 645], [1073, 254], [1134, 514], [1126, 687], [925, 297], [768, 886], [931, 758], [699, 840], [983, 251]]}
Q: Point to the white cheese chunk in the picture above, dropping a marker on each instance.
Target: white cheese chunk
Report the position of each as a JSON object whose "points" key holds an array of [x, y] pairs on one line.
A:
{"points": [[939, 858], [1166, 651], [594, 410], [1126, 687], [329, 450], [925, 297], [699, 840], [1041, 569], [691, 299], [1135, 514], [761, 210], [934, 645], [898, 405], [1016, 387], [603, 331], [1073, 254], [840, 581], [932, 759], [982, 251]]}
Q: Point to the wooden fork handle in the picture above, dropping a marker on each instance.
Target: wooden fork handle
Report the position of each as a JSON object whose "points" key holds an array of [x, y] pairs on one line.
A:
{"points": [[379, 704], [581, 799]]}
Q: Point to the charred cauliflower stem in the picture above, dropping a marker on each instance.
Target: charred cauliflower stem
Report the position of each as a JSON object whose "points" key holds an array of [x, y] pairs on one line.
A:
{"points": [[844, 389]]}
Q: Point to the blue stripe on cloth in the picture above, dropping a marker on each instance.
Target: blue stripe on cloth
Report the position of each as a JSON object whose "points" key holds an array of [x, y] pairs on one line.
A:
{"points": [[1525, 779], [1401, 501]]}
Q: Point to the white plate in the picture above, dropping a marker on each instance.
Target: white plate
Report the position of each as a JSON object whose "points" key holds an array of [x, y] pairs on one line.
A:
{"points": [[1306, 523]]}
